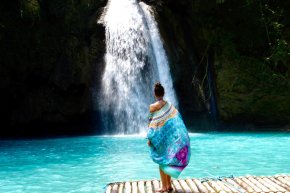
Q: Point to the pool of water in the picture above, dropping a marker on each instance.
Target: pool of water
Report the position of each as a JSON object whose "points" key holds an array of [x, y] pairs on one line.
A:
{"points": [[87, 164]]}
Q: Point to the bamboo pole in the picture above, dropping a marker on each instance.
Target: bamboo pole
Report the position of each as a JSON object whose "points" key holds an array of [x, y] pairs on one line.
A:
{"points": [[208, 187], [247, 184], [231, 187], [258, 184], [192, 186], [244, 185], [287, 178], [109, 188], [222, 185], [134, 187], [216, 186], [281, 179], [235, 185], [121, 188], [156, 185], [278, 183], [148, 187], [174, 189], [127, 187], [268, 185], [256, 189], [177, 186], [279, 188], [115, 188], [141, 188], [185, 187], [200, 186]]}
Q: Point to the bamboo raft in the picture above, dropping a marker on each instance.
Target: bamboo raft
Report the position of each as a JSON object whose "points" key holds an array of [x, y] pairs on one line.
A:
{"points": [[244, 184]]}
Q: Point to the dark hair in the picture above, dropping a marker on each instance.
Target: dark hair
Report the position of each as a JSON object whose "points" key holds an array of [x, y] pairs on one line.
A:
{"points": [[158, 89]]}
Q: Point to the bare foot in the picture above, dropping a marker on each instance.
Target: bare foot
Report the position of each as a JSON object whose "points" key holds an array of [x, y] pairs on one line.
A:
{"points": [[161, 190]]}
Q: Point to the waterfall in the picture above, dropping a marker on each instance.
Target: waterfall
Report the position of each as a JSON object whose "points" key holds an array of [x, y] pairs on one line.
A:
{"points": [[135, 59], [160, 55]]}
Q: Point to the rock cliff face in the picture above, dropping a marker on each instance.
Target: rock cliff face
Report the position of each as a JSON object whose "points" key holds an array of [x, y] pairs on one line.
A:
{"points": [[244, 44], [51, 56]]}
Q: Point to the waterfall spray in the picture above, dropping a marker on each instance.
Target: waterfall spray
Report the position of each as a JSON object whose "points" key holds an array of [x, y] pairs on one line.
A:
{"points": [[134, 62]]}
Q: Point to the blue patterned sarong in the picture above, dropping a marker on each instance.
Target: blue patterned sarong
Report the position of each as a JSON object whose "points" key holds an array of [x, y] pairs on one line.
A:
{"points": [[170, 143]]}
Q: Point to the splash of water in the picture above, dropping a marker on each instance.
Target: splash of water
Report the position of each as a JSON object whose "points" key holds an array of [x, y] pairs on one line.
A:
{"points": [[132, 67]]}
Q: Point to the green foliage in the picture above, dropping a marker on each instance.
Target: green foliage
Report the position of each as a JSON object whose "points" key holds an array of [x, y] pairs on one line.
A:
{"points": [[252, 52], [44, 54], [30, 8], [250, 42]]}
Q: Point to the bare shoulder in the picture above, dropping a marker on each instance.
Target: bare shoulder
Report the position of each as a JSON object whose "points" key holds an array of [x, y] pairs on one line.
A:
{"points": [[156, 106], [153, 107]]}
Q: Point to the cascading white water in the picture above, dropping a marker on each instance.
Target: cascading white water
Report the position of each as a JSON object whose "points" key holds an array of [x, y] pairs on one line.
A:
{"points": [[160, 55], [135, 60]]}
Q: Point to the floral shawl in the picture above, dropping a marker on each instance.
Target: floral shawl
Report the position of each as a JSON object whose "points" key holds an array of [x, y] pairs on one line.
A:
{"points": [[170, 143]]}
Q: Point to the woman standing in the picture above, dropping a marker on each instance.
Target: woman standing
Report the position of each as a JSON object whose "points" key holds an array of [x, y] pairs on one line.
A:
{"points": [[168, 139]]}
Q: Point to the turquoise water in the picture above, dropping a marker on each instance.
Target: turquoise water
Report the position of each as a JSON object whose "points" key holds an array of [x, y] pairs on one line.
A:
{"points": [[87, 164]]}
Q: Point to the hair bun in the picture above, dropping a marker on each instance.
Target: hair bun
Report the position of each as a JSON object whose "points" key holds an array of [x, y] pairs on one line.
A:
{"points": [[158, 89], [158, 84]]}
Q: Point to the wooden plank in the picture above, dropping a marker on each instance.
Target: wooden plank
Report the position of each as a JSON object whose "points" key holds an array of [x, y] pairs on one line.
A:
{"points": [[192, 186], [115, 188], [200, 186], [127, 187], [208, 187], [141, 187], [177, 186], [149, 187], [280, 183], [121, 188], [256, 189], [108, 189], [134, 187], [244, 185], [184, 186], [234, 185], [256, 182]]}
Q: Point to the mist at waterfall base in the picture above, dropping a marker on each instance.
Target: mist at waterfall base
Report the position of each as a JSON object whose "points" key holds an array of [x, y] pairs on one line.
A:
{"points": [[135, 59]]}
